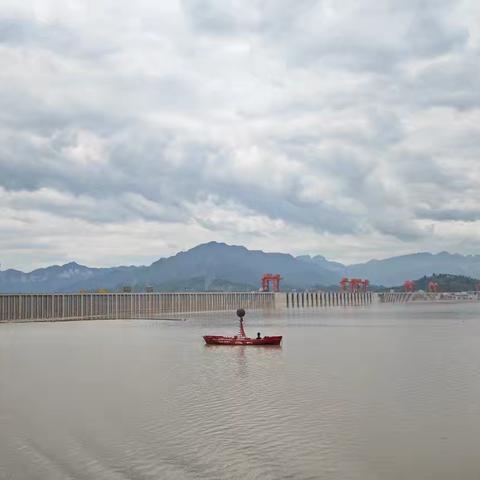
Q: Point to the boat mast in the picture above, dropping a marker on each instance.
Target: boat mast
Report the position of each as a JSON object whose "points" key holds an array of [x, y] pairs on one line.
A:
{"points": [[241, 314]]}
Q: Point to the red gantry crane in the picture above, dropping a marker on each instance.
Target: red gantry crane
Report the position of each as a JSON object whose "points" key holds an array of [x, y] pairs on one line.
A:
{"points": [[354, 284], [433, 287], [409, 286], [274, 279], [344, 283]]}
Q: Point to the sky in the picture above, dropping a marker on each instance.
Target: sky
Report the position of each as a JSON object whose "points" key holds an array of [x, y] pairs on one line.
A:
{"points": [[133, 130]]}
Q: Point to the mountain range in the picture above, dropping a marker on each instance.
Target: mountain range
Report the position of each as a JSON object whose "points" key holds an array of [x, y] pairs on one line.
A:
{"points": [[217, 266]]}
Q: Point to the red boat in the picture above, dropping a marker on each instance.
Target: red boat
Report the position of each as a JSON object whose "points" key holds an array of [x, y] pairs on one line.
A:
{"points": [[238, 340], [241, 338]]}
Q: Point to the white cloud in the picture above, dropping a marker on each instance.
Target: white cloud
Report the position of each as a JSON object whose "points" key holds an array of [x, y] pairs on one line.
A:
{"points": [[347, 129]]}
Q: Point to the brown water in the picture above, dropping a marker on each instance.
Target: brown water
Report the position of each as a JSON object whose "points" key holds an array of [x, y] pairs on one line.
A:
{"points": [[383, 392]]}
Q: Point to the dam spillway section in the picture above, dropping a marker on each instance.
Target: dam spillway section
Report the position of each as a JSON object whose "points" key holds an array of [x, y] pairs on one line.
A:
{"points": [[327, 299]]}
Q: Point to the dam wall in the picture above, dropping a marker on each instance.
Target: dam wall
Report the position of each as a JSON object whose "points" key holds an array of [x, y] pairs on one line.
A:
{"points": [[407, 297], [327, 299], [396, 297], [105, 306]]}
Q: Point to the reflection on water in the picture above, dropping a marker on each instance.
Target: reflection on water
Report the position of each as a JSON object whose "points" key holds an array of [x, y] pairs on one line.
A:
{"points": [[371, 393], [239, 355]]}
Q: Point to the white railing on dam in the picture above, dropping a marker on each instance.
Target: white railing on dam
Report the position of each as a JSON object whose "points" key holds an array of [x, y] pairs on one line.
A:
{"points": [[86, 306]]}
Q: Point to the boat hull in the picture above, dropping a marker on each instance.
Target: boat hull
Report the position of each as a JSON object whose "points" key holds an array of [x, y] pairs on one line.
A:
{"points": [[221, 340]]}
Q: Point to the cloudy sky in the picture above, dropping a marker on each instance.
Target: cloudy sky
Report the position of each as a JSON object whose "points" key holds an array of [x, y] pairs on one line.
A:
{"points": [[131, 130]]}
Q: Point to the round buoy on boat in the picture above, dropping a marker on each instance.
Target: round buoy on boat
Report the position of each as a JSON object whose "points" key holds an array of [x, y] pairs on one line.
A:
{"points": [[241, 312]]}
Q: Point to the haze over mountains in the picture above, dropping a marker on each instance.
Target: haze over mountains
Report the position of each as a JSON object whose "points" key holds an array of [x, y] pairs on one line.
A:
{"points": [[217, 266]]}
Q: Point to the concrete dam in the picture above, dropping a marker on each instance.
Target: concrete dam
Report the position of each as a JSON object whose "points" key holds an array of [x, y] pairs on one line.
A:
{"points": [[408, 297], [106, 306]]}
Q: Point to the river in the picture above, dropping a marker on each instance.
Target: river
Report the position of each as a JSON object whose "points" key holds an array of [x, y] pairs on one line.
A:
{"points": [[379, 392]]}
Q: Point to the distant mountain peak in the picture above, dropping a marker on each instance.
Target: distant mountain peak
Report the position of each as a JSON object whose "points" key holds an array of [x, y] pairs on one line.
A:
{"points": [[72, 264], [214, 244], [218, 263]]}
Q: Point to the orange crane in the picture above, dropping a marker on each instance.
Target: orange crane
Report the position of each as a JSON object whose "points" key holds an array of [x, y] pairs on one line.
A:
{"points": [[355, 284], [344, 283], [275, 279]]}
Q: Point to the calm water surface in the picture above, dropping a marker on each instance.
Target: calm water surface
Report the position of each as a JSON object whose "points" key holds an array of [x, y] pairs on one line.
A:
{"points": [[382, 392]]}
